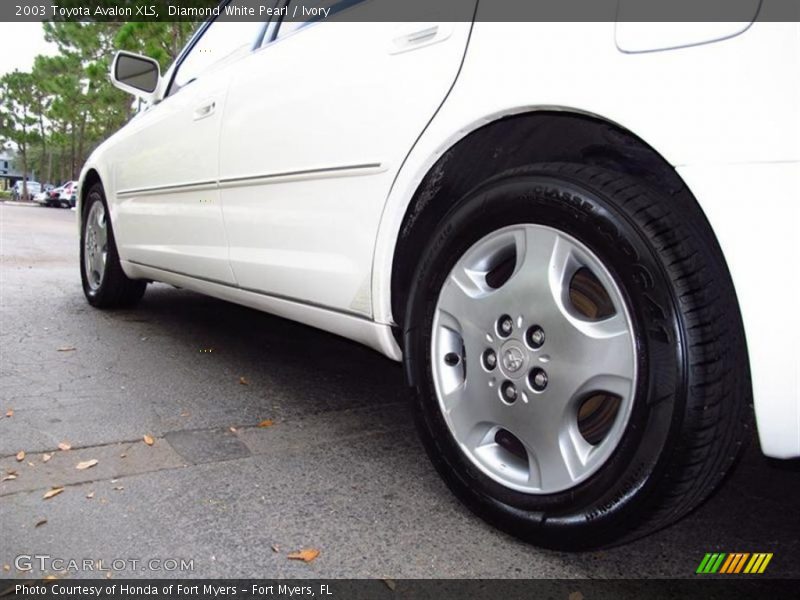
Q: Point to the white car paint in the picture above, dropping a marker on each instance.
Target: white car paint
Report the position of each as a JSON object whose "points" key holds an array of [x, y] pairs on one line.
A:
{"points": [[294, 190], [337, 149]]}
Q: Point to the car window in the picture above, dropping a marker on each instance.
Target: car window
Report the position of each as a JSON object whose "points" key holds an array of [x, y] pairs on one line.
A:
{"points": [[296, 20], [222, 42]]}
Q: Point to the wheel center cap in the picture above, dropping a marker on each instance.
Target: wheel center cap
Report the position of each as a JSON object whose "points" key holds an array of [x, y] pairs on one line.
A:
{"points": [[513, 359]]}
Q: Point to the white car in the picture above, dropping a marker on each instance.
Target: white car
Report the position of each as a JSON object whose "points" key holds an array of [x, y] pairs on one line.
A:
{"points": [[32, 188], [572, 234], [67, 193]]}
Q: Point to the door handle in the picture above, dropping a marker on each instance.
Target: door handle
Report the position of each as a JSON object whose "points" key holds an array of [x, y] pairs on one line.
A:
{"points": [[205, 111], [419, 35]]}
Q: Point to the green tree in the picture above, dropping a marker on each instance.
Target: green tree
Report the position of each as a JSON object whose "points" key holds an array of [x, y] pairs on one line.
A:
{"points": [[87, 108], [59, 112], [18, 116]]}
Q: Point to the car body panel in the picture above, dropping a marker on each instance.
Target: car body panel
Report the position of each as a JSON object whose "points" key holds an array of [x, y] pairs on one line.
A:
{"points": [[360, 329], [302, 199], [156, 184], [760, 244]]}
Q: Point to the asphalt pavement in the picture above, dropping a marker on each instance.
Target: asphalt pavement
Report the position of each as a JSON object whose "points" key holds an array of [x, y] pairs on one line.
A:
{"points": [[268, 438]]}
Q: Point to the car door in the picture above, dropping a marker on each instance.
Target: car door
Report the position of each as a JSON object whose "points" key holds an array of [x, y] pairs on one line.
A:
{"points": [[165, 169], [316, 126]]}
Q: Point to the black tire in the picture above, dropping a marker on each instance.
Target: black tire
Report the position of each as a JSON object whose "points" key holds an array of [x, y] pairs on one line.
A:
{"points": [[692, 407], [115, 290]]}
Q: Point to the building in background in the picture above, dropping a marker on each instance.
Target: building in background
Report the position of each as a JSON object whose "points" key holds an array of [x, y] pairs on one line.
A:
{"points": [[9, 174]]}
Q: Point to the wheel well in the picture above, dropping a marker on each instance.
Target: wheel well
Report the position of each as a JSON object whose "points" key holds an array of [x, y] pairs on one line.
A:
{"points": [[511, 142], [91, 178]]}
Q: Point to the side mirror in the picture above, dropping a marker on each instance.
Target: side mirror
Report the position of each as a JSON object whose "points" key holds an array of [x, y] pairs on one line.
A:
{"points": [[135, 74]]}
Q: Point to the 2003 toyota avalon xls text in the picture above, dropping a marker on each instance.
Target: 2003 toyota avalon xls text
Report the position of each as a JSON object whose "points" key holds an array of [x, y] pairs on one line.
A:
{"points": [[578, 237]]}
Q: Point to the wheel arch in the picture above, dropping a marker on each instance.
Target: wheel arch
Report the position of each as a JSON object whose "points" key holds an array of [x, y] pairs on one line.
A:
{"points": [[91, 177], [507, 142]]}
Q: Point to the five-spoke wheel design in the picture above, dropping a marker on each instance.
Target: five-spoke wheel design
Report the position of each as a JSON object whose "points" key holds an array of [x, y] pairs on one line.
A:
{"points": [[534, 358]]}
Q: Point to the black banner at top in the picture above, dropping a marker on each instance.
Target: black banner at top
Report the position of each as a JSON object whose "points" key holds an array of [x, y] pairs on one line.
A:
{"points": [[679, 11]]}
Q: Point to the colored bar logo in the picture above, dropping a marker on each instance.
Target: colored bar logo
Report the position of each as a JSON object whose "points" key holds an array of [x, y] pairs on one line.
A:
{"points": [[734, 563]]}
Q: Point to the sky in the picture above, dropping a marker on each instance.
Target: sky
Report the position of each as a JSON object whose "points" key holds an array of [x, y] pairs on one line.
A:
{"points": [[20, 43]]}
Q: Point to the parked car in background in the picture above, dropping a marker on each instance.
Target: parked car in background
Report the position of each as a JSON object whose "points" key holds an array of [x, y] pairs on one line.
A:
{"points": [[50, 197], [66, 197], [63, 196], [31, 187], [554, 226], [41, 197]]}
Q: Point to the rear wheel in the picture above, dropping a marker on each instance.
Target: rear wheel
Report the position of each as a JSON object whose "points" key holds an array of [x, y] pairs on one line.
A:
{"points": [[580, 369], [105, 285]]}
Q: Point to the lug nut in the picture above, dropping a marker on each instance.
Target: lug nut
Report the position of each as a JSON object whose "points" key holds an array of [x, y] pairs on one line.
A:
{"points": [[505, 326], [535, 337], [538, 379], [508, 391], [489, 359]]}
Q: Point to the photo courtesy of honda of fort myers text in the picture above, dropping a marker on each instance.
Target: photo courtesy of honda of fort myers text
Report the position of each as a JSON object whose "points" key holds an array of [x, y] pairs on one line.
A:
{"points": [[369, 298]]}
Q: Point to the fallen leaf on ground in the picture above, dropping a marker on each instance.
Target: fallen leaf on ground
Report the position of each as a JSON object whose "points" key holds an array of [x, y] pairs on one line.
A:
{"points": [[148, 439], [123, 455], [243, 381], [40, 523], [119, 488], [185, 413], [6, 568], [10, 413], [66, 348], [90, 495], [266, 423], [306, 555], [64, 446], [275, 548], [46, 457], [8, 477], [20, 456], [86, 464], [390, 583], [31, 464], [52, 492]]}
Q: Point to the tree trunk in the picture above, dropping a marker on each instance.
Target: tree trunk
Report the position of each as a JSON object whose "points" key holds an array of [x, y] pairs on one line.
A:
{"points": [[23, 152], [62, 166], [81, 140], [44, 147], [72, 151]]}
